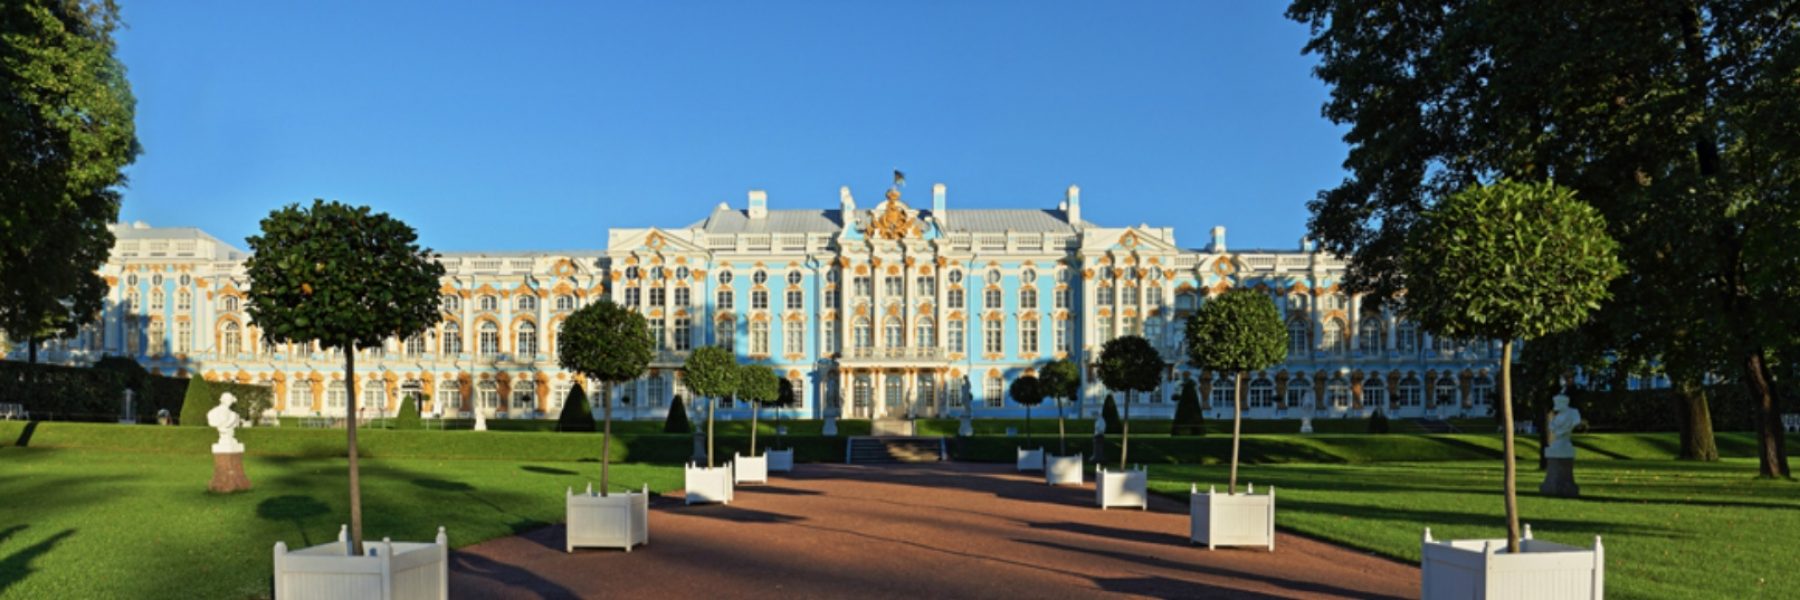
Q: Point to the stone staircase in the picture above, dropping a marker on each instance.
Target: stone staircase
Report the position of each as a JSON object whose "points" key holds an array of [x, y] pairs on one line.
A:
{"points": [[1435, 426], [876, 450]]}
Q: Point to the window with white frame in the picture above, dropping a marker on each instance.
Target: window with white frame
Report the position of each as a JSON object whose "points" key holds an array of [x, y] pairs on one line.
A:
{"points": [[794, 278], [1337, 392], [1131, 295], [683, 297], [231, 339], [1445, 392], [1063, 295], [415, 344], [992, 298], [795, 300], [374, 396], [955, 298], [1369, 335], [956, 336], [659, 333], [926, 333], [1028, 336], [449, 398], [337, 395], [865, 286], [488, 339], [992, 337], [1028, 299], [565, 303], [996, 391], [450, 303], [156, 302], [452, 340], [725, 333], [658, 296], [527, 339], [1299, 338], [559, 394], [527, 303], [831, 336], [684, 334], [658, 390], [1374, 393], [893, 286], [831, 297], [184, 300], [1065, 338], [793, 338], [1482, 392], [759, 299], [863, 334], [724, 277], [489, 303], [927, 285], [724, 300], [300, 397], [1411, 392], [1222, 393], [759, 277], [1406, 338], [759, 338], [892, 333], [1262, 393], [1104, 295], [1299, 393], [1334, 337], [184, 337], [1444, 346], [633, 296], [524, 397]]}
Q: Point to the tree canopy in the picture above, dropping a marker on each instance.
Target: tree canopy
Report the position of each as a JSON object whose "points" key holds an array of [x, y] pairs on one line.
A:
{"points": [[1061, 379], [610, 343], [1130, 363], [711, 372], [1026, 390], [1238, 331], [67, 132]]}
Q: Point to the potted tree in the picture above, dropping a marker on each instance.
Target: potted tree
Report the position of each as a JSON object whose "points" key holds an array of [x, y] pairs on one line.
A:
{"points": [[1026, 391], [756, 384], [1510, 261], [1236, 333], [606, 342], [711, 373], [347, 278], [1061, 381], [781, 457], [1129, 364]]}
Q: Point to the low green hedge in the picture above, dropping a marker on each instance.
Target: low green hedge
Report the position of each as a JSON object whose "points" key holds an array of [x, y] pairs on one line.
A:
{"points": [[64, 393], [1354, 449]]}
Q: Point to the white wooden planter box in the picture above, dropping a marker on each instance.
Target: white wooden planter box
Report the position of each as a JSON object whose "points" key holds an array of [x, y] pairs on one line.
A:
{"points": [[1122, 488], [1064, 470], [1031, 460], [749, 469], [1232, 519], [780, 461], [389, 570], [1483, 569], [611, 521], [709, 485]]}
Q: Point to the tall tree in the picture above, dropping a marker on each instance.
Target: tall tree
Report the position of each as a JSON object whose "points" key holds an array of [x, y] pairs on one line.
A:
{"points": [[758, 385], [711, 372], [1673, 118], [1237, 333], [67, 132], [1062, 381], [347, 278], [1464, 278], [1130, 364], [609, 343], [1028, 391]]}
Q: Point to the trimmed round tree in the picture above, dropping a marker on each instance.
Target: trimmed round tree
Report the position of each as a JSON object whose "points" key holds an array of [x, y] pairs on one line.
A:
{"points": [[757, 384], [1238, 332], [575, 415], [1130, 364], [347, 278], [407, 417], [1061, 380], [1027, 391], [1510, 261], [609, 343], [711, 373]]}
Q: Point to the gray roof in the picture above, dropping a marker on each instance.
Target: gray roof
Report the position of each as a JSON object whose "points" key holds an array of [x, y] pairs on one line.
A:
{"points": [[129, 231], [731, 221]]}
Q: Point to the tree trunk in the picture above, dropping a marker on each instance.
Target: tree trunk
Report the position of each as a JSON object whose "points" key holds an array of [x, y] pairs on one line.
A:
{"points": [[1062, 442], [1697, 442], [356, 532], [605, 437], [755, 409], [1511, 479], [1028, 426], [31, 345], [710, 403], [1771, 452], [1237, 428], [1125, 433]]}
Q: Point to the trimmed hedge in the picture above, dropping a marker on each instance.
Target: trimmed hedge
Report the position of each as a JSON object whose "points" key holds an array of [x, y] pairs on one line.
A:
{"points": [[408, 417], [63, 393], [203, 395], [574, 416], [1362, 448]]}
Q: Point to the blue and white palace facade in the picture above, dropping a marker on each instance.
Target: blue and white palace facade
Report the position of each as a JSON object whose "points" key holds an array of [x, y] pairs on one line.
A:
{"points": [[880, 312]]}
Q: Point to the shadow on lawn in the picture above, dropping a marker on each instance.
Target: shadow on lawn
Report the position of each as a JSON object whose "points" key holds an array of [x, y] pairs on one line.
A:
{"points": [[546, 470], [16, 567], [293, 508]]}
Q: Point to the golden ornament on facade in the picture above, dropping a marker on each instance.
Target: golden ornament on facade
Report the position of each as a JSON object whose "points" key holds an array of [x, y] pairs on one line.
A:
{"points": [[893, 223]]}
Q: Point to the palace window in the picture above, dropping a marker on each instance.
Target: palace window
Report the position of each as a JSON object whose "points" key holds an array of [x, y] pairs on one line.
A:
{"points": [[1337, 392], [1262, 393], [184, 337], [232, 340], [1481, 392], [1443, 345], [891, 333], [1131, 295], [759, 299], [682, 297], [452, 339], [337, 395], [1028, 336], [996, 391], [725, 334], [1153, 296], [658, 332], [1299, 393], [831, 297], [184, 300], [633, 296], [374, 396], [1446, 392], [1299, 339], [724, 300], [415, 344], [1406, 338], [926, 336], [133, 302], [1065, 340], [527, 339], [831, 336], [450, 303], [684, 334], [1368, 335], [1104, 295], [658, 295], [488, 339], [991, 337], [658, 390], [724, 277], [527, 303], [1296, 302], [1222, 392], [759, 338], [657, 273], [992, 298], [794, 300], [927, 285], [956, 336], [300, 396], [793, 338], [489, 303], [1028, 299], [759, 277], [794, 278], [558, 394], [1411, 393], [953, 394], [863, 393], [565, 303], [1063, 296], [893, 286], [863, 333], [955, 299], [1334, 337], [156, 302], [449, 398], [1374, 393], [524, 397], [864, 286]]}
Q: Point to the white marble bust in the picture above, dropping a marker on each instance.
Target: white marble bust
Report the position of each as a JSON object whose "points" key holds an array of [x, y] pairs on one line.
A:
{"points": [[1562, 429], [222, 418]]}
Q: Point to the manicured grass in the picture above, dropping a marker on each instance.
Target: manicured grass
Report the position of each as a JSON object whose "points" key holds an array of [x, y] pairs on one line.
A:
{"points": [[1671, 529], [92, 523]]}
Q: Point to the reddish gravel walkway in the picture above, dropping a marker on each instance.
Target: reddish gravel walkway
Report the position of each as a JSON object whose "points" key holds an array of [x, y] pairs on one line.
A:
{"points": [[918, 531]]}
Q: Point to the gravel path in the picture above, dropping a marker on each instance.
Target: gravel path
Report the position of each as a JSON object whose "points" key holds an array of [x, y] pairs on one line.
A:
{"points": [[918, 531]]}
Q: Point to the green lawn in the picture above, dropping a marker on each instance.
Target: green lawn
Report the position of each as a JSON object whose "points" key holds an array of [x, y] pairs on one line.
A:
{"points": [[94, 523], [1671, 529]]}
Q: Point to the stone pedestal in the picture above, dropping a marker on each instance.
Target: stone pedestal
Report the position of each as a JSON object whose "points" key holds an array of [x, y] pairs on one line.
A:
{"points": [[228, 473], [1559, 478]]}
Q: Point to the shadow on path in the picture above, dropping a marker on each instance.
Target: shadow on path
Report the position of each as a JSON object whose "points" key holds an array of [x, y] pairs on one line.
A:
{"points": [[518, 579]]}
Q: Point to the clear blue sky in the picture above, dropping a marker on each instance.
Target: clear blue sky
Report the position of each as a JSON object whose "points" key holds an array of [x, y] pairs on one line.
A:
{"points": [[537, 125]]}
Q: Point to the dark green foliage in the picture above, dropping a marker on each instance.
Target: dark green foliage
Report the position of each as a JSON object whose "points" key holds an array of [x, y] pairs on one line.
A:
{"points": [[67, 132], [1130, 363], [711, 372], [194, 405], [1378, 422], [610, 343], [58, 392], [1061, 379], [408, 415], [1110, 412], [1028, 392], [1189, 418], [677, 421], [203, 395], [757, 384], [166, 393], [575, 415], [1237, 332]]}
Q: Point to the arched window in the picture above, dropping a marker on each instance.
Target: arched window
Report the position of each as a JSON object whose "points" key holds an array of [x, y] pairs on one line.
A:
{"points": [[996, 391], [863, 334], [231, 304], [1299, 338], [524, 397], [1406, 338], [1223, 390], [489, 303], [374, 396], [300, 396], [452, 339], [1028, 298], [1412, 394], [1374, 393], [1445, 393], [725, 333], [1337, 392], [527, 303], [450, 303], [1262, 393], [1481, 392], [488, 339], [759, 338], [487, 396], [1369, 335], [1334, 337], [893, 333], [527, 339], [337, 395], [231, 341], [1299, 392], [926, 336], [449, 398]]}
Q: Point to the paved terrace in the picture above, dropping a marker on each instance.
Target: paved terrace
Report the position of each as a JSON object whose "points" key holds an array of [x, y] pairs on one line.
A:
{"points": [[918, 531]]}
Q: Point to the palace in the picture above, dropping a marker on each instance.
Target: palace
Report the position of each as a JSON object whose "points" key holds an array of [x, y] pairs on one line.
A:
{"points": [[882, 312]]}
